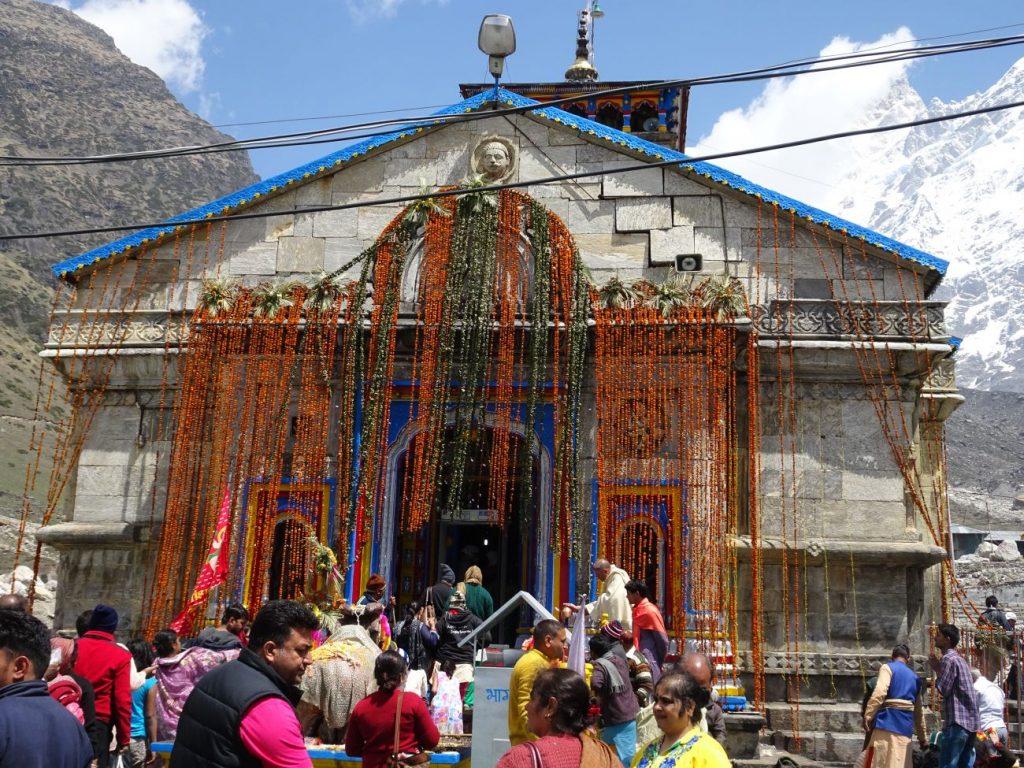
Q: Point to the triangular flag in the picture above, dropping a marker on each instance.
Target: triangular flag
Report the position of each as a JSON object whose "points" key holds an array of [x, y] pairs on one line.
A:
{"points": [[214, 572]]}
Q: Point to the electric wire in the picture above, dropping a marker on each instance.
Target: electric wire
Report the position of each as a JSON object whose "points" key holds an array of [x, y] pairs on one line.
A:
{"points": [[326, 117], [181, 222], [307, 119], [329, 135]]}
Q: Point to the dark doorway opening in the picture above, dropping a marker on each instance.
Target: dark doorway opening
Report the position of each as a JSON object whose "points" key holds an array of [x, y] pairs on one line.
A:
{"points": [[471, 534], [288, 560]]}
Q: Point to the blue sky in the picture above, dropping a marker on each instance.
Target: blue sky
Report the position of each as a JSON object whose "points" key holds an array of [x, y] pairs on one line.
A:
{"points": [[259, 60]]}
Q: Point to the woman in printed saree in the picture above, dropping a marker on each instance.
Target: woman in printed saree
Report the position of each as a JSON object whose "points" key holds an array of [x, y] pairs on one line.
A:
{"points": [[682, 744]]}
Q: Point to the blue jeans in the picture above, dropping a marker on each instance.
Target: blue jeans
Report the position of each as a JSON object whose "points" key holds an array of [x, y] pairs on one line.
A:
{"points": [[621, 738], [957, 748]]}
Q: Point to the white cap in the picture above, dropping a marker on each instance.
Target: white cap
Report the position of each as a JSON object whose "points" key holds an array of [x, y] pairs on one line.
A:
{"points": [[1011, 616]]}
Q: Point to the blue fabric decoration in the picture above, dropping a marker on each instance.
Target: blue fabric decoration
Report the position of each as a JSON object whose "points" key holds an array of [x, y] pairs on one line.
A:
{"points": [[504, 97]]}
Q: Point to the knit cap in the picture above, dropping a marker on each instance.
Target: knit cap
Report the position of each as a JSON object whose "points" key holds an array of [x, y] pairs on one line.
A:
{"points": [[103, 619]]}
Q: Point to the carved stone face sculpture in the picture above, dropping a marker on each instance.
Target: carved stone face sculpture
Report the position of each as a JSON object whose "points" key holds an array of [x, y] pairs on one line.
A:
{"points": [[493, 160]]}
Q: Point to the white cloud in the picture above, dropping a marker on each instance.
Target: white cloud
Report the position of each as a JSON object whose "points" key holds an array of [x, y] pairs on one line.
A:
{"points": [[806, 106], [164, 35], [209, 105]]}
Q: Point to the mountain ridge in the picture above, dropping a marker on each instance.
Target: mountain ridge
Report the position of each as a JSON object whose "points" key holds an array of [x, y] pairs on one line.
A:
{"points": [[65, 89], [955, 189]]}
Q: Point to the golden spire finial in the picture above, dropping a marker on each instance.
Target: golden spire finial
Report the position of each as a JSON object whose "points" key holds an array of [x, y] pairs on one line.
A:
{"points": [[583, 69]]}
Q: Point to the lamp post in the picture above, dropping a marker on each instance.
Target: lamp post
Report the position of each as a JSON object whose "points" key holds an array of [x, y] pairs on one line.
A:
{"points": [[497, 39], [595, 12]]}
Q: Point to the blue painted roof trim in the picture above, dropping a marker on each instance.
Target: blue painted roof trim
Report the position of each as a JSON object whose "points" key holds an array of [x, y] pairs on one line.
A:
{"points": [[582, 125]]}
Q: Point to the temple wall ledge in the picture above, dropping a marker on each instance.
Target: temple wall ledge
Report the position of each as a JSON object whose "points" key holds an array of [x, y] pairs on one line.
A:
{"points": [[891, 552], [73, 536]]}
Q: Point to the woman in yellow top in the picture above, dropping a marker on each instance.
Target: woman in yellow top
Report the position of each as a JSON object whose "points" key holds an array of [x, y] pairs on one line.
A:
{"points": [[678, 716]]}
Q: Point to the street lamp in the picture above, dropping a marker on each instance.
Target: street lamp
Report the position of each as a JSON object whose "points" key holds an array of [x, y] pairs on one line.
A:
{"points": [[497, 39]]}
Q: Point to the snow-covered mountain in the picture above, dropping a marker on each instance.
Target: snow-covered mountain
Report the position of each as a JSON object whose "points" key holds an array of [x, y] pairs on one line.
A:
{"points": [[955, 189]]}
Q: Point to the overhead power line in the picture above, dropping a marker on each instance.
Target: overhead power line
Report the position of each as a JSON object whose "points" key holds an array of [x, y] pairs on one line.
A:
{"points": [[326, 117], [314, 118], [526, 183], [330, 135]]}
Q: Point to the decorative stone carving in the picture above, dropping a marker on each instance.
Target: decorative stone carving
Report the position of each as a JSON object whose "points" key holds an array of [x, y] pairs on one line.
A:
{"points": [[892, 320], [942, 376], [136, 329], [495, 159], [779, 663], [831, 391]]}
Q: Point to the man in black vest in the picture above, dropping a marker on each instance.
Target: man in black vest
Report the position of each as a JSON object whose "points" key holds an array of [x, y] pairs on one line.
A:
{"points": [[243, 713]]}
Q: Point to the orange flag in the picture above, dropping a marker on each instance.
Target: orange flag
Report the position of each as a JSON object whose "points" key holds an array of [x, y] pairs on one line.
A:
{"points": [[214, 572]]}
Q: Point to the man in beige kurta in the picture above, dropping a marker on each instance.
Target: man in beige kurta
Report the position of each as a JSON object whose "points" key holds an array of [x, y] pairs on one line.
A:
{"points": [[612, 599]]}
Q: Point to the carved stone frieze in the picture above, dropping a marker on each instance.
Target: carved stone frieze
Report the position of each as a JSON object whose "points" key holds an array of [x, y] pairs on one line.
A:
{"points": [[817, 318], [778, 663], [833, 391], [77, 330]]}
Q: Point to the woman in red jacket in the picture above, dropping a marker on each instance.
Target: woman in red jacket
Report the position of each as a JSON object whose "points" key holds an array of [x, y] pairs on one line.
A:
{"points": [[371, 728]]}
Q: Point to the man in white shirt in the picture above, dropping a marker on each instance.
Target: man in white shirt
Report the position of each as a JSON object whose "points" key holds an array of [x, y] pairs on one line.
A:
{"points": [[990, 705], [612, 600]]}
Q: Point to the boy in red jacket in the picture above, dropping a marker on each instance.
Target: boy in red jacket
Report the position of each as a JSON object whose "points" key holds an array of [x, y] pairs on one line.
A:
{"points": [[108, 667]]}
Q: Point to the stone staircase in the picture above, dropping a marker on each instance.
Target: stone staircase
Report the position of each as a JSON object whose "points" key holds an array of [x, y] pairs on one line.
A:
{"points": [[824, 733]]}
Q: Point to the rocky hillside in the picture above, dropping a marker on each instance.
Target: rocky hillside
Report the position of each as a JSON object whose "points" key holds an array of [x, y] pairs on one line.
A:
{"points": [[985, 443], [65, 89]]}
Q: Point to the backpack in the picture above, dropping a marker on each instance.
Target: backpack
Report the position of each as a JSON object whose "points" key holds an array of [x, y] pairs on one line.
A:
{"points": [[65, 691]]}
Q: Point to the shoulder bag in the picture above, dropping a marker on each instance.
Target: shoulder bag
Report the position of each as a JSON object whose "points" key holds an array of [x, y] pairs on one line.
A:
{"points": [[399, 759], [535, 759]]}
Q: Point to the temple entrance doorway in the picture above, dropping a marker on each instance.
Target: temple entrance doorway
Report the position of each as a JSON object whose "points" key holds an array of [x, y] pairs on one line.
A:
{"points": [[288, 559], [471, 534]]}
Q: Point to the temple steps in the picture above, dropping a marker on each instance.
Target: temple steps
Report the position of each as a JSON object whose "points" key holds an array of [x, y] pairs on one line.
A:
{"points": [[839, 718], [820, 746]]}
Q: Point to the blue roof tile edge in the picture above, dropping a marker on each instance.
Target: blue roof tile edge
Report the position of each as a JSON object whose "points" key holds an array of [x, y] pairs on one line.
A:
{"points": [[584, 126]]}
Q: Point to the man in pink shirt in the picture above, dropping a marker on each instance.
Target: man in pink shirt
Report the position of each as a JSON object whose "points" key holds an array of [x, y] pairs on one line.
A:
{"points": [[243, 712]]}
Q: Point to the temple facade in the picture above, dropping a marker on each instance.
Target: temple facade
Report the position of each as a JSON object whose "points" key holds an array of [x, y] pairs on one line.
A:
{"points": [[740, 398]]}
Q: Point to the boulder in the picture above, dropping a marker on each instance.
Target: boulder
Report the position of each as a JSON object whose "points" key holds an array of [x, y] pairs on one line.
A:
{"points": [[1006, 552], [46, 591], [985, 550]]}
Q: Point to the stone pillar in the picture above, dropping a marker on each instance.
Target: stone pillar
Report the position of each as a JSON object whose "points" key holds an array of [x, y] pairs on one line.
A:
{"points": [[114, 499]]}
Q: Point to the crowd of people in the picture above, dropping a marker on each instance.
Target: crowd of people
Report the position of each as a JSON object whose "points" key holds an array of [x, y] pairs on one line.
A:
{"points": [[973, 730], [257, 692], [244, 692]]}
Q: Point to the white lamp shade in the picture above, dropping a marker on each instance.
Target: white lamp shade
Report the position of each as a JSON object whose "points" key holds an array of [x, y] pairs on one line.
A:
{"points": [[497, 35]]}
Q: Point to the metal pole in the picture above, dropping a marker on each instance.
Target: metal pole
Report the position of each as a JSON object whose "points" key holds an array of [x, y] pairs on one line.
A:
{"points": [[1015, 639]]}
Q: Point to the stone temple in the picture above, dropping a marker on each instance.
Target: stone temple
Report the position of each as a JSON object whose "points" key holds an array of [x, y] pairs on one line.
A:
{"points": [[773, 469]]}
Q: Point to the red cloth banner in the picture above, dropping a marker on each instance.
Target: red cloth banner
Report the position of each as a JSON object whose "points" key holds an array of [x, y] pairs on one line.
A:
{"points": [[214, 572]]}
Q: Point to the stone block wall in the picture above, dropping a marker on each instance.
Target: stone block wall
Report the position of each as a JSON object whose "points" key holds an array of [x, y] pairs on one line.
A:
{"points": [[631, 224], [840, 472]]}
